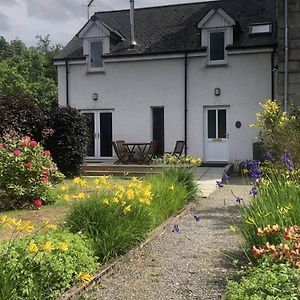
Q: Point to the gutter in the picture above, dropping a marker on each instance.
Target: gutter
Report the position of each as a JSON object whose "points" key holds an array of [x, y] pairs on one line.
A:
{"points": [[286, 57], [67, 82], [185, 101]]}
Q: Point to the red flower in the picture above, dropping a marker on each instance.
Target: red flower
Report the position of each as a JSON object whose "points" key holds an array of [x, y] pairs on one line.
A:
{"points": [[47, 153], [44, 179], [24, 143], [33, 143], [28, 165], [17, 152], [37, 202], [256, 252], [26, 138], [46, 172], [1, 146]]}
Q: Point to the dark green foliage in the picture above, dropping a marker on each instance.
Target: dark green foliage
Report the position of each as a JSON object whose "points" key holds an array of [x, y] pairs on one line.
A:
{"points": [[21, 116], [267, 281], [69, 140]]}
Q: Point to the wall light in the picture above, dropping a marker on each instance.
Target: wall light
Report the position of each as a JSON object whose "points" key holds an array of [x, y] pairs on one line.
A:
{"points": [[217, 91], [95, 96]]}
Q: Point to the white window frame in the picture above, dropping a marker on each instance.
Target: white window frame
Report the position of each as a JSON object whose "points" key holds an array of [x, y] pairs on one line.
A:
{"points": [[217, 62], [105, 46]]}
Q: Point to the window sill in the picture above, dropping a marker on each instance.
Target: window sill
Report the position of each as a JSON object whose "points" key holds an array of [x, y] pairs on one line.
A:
{"points": [[97, 71], [215, 65]]}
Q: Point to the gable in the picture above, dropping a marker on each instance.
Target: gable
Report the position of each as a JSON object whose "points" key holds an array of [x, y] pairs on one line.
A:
{"points": [[93, 29], [216, 18]]}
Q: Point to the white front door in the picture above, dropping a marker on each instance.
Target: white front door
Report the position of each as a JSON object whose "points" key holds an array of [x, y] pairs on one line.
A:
{"points": [[99, 134], [216, 134]]}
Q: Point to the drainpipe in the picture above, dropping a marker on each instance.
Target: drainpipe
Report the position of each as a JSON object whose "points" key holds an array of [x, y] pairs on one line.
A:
{"points": [[185, 102], [272, 75], [286, 57], [67, 82]]}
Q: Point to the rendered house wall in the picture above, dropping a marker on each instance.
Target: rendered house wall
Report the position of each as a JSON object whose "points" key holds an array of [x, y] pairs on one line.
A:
{"points": [[131, 88]]}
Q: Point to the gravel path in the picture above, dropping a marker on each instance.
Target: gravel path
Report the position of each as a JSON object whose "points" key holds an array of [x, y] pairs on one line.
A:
{"points": [[190, 264]]}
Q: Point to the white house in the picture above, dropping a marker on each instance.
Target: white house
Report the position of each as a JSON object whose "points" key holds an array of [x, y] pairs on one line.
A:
{"points": [[193, 72]]}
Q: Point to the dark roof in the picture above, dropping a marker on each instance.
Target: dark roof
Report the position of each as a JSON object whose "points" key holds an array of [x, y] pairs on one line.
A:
{"points": [[173, 28]]}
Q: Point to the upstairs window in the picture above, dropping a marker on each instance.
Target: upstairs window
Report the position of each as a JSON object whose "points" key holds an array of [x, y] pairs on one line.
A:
{"points": [[95, 57], [260, 28], [216, 47]]}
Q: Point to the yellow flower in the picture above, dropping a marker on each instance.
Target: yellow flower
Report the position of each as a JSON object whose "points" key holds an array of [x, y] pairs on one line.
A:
{"points": [[130, 194], [116, 200], [26, 226], [33, 248], [63, 247], [105, 201], [81, 195], [233, 228], [77, 180], [66, 197], [48, 246], [3, 219], [172, 187], [85, 277], [63, 188], [127, 209], [50, 226]]}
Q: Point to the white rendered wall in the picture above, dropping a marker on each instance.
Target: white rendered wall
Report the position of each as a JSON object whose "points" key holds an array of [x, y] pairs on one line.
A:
{"points": [[130, 89]]}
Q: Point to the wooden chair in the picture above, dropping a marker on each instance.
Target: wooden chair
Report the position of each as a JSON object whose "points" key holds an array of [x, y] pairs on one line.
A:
{"points": [[147, 156], [121, 152], [179, 146]]}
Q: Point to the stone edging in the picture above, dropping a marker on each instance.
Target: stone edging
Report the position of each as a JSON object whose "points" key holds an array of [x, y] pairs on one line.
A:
{"points": [[78, 290]]}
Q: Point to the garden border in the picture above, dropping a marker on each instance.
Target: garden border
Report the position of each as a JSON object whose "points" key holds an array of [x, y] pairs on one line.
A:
{"points": [[108, 267]]}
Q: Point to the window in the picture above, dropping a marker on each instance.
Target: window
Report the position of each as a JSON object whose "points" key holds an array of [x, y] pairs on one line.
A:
{"points": [[96, 52], [260, 28], [217, 47]]}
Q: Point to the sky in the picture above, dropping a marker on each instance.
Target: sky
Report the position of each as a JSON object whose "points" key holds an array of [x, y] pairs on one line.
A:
{"points": [[61, 19]]}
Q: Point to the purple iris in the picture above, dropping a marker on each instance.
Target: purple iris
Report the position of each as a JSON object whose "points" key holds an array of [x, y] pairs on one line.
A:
{"points": [[219, 184], [254, 192], [225, 177], [268, 155], [286, 158], [238, 199], [197, 218], [175, 228], [255, 172]]}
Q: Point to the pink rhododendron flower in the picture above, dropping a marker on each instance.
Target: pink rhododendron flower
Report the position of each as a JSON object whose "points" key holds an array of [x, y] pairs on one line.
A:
{"points": [[47, 153], [26, 138], [33, 143], [28, 165], [1, 146], [24, 143], [17, 152], [46, 172], [37, 202], [44, 179]]}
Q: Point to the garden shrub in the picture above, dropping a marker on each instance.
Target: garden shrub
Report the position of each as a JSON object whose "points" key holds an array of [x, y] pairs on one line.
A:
{"points": [[116, 218], [69, 141], [279, 131], [266, 281], [21, 116], [27, 172], [44, 266]]}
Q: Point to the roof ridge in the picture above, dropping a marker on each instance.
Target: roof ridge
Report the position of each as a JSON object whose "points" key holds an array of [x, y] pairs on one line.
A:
{"points": [[159, 6]]}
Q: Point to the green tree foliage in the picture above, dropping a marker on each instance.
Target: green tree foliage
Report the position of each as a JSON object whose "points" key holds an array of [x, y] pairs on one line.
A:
{"points": [[28, 72]]}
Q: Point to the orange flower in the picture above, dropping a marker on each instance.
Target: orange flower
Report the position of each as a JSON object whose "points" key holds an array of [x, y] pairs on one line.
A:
{"points": [[256, 252], [260, 232]]}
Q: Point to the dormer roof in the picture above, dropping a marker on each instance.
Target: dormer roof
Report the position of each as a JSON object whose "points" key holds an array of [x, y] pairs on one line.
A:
{"points": [[177, 28]]}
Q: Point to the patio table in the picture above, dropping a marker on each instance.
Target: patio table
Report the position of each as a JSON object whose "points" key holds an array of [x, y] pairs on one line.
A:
{"points": [[136, 151]]}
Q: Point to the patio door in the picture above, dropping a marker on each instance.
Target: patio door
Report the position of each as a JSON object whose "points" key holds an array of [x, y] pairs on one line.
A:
{"points": [[99, 134], [216, 134], [158, 128]]}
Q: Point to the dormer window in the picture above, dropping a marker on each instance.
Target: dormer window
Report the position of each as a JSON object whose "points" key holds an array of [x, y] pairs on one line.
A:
{"points": [[96, 52], [217, 47]]}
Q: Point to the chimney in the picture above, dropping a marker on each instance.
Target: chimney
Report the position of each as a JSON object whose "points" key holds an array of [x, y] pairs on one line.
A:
{"points": [[132, 38]]}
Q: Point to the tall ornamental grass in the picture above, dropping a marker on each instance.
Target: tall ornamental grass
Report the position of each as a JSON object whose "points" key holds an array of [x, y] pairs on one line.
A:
{"points": [[277, 203], [118, 216]]}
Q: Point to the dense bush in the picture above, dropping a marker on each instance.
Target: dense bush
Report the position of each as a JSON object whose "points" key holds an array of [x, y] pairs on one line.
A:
{"points": [[279, 131], [69, 141], [43, 266], [27, 172], [21, 116], [266, 281]]}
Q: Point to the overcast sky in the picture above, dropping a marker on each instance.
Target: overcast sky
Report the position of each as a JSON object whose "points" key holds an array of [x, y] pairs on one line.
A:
{"points": [[60, 18]]}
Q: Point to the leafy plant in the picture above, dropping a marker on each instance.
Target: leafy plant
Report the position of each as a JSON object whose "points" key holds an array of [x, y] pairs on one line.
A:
{"points": [[266, 281], [69, 141], [27, 173], [42, 265]]}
